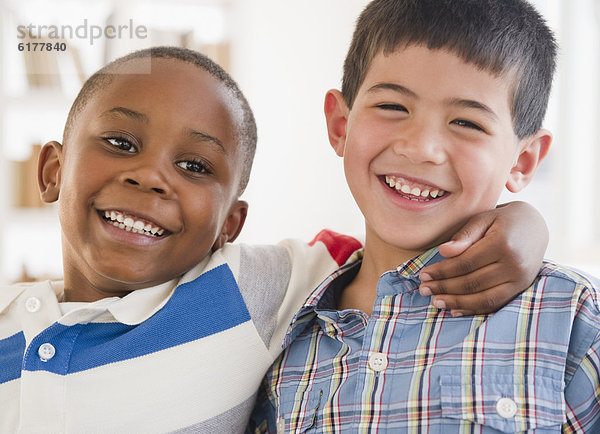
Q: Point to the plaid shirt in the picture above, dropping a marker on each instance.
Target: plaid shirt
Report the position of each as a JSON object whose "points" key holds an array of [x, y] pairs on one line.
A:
{"points": [[410, 367]]}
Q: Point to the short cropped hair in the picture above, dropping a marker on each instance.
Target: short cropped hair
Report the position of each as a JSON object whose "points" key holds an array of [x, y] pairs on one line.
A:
{"points": [[504, 37], [246, 134]]}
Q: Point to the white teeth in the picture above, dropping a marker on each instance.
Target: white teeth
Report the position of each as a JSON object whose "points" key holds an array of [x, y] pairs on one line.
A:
{"points": [[138, 225], [423, 192], [129, 224]]}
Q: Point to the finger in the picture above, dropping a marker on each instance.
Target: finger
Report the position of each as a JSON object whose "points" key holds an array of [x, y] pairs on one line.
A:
{"points": [[480, 254], [454, 247], [479, 303], [474, 230], [481, 279]]}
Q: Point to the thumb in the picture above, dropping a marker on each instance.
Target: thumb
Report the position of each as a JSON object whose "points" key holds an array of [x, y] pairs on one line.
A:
{"points": [[473, 231]]}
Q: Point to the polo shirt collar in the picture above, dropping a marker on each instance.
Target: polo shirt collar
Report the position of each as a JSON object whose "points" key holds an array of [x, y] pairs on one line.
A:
{"points": [[9, 293], [132, 309], [139, 305]]}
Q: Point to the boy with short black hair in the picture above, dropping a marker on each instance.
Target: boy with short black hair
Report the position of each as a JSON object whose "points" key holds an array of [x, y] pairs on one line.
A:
{"points": [[160, 324], [441, 107]]}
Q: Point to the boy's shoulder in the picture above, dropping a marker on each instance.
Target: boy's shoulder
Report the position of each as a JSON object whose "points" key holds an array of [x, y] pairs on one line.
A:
{"points": [[560, 279], [564, 304], [274, 280], [323, 254]]}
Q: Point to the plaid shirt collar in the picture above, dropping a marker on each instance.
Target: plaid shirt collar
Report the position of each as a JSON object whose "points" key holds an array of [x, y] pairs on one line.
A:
{"points": [[325, 294]]}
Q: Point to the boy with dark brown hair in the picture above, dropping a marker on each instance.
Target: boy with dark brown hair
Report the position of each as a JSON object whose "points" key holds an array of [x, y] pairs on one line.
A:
{"points": [[441, 107]]}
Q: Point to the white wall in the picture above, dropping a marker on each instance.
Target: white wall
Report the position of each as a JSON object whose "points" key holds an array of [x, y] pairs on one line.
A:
{"points": [[286, 55]]}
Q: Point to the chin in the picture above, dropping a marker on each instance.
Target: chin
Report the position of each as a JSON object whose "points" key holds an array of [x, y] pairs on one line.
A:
{"points": [[413, 242], [127, 279]]}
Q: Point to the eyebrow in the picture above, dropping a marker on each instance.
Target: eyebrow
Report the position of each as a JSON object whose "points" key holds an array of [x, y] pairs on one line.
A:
{"points": [[394, 87], [117, 112], [472, 104], [204, 137], [458, 102]]}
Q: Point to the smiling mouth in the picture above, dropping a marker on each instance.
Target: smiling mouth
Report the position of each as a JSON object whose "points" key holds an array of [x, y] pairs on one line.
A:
{"points": [[411, 190], [133, 224]]}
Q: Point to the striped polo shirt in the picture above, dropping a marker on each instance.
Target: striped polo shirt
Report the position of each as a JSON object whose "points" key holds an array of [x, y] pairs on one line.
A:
{"points": [[411, 368], [186, 355]]}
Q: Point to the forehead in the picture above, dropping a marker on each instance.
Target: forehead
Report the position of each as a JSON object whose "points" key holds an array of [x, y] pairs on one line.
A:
{"points": [[171, 92]]}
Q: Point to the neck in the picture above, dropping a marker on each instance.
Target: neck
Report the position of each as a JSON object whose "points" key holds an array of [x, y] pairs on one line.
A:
{"points": [[378, 258], [79, 288]]}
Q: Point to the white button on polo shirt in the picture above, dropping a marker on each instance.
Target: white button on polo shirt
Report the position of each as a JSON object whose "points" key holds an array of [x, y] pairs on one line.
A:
{"points": [[46, 352], [506, 408], [378, 361], [33, 304]]}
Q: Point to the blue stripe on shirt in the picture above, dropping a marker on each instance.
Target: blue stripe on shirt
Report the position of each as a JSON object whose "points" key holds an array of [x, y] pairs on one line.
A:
{"points": [[208, 305], [11, 355]]}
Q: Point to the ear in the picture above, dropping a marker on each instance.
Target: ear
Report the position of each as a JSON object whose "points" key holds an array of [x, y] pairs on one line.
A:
{"points": [[336, 114], [533, 151], [49, 164], [233, 224]]}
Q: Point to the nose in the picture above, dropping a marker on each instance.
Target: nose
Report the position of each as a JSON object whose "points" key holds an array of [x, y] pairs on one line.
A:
{"points": [[420, 143], [147, 178]]}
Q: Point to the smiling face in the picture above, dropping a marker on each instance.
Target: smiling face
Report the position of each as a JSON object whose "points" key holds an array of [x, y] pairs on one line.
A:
{"points": [[428, 143], [147, 181]]}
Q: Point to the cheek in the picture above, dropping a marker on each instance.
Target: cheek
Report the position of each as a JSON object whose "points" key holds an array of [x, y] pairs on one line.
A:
{"points": [[371, 129], [202, 212], [481, 176], [368, 140]]}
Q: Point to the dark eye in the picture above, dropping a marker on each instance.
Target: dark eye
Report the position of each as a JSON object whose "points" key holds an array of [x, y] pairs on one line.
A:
{"points": [[394, 107], [467, 124], [193, 166], [122, 144]]}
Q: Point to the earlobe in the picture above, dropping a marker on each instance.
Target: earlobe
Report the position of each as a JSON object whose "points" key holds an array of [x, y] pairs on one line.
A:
{"points": [[49, 165], [336, 115], [532, 153], [233, 224]]}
